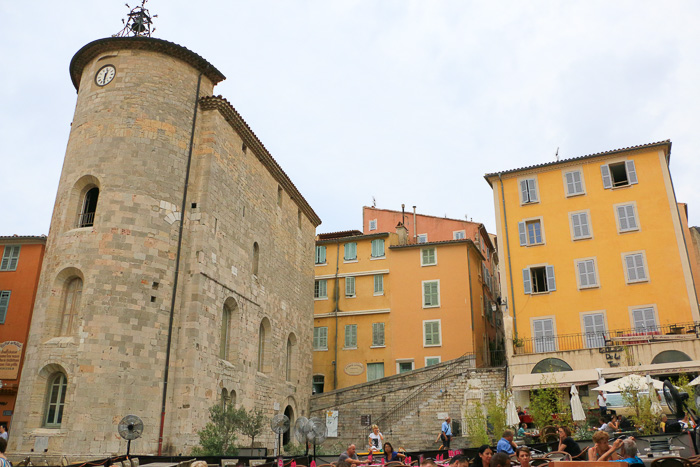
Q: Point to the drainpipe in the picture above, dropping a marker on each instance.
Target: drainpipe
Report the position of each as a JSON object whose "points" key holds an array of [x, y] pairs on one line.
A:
{"points": [[177, 270], [415, 233], [510, 266], [471, 299], [336, 293]]}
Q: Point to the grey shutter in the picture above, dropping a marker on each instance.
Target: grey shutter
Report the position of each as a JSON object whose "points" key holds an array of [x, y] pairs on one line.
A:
{"points": [[578, 183], [576, 224], [622, 217], [631, 271], [639, 267], [532, 185], [15, 258], [570, 183], [582, 275], [4, 304], [607, 180], [583, 218], [631, 218], [523, 234], [524, 191], [631, 172], [551, 283], [527, 282]]}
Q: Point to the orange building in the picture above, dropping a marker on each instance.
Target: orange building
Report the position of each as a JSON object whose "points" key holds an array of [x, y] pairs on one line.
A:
{"points": [[386, 304], [19, 276]]}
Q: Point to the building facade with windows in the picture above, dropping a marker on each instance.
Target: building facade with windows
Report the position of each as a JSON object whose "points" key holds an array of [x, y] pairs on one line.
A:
{"points": [[19, 277], [595, 268], [385, 304], [178, 270]]}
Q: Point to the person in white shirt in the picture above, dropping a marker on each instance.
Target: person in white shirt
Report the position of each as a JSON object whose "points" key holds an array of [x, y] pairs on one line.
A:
{"points": [[376, 439], [602, 404], [3, 432]]}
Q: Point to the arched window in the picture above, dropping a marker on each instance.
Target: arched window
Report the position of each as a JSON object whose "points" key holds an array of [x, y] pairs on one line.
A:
{"points": [[256, 258], [224, 399], [290, 356], [287, 436], [549, 365], [263, 344], [225, 329], [671, 356], [55, 400], [232, 398], [71, 305], [87, 213]]}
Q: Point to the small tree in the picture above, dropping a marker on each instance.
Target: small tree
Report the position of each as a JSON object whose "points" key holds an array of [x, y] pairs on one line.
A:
{"points": [[218, 437], [496, 410], [476, 423], [251, 423], [645, 421]]}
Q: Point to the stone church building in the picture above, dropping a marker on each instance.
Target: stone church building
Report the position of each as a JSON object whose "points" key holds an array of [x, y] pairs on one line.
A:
{"points": [[178, 269]]}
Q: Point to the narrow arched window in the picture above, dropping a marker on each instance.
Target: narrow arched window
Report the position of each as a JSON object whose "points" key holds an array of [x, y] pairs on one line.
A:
{"points": [[261, 348], [55, 400], [256, 258], [87, 213], [71, 305], [224, 399], [225, 327], [288, 366]]}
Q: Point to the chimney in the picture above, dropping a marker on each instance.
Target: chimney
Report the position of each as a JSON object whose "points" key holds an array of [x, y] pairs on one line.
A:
{"points": [[402, 232]]}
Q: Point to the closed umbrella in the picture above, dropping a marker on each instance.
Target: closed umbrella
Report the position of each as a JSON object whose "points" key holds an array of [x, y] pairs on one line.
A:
{"points": [[576, 408], [655, 404], [512, 418]]}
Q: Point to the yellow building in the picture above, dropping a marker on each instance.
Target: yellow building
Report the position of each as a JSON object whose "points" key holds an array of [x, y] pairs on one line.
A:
{"points": [[385, 305], [593, 255]]}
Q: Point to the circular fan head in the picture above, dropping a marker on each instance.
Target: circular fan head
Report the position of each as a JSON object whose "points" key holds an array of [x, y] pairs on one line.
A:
{"points": [[674, 399], [301, 429], [318, 432], [279, 423], [130, 427]]}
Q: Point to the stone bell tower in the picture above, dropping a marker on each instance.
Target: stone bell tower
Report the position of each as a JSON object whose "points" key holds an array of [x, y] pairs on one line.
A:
{"points": [[179, 252]]}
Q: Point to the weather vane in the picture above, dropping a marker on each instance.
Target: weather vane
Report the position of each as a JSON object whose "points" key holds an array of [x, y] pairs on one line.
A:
{"points": [[138, 22]]}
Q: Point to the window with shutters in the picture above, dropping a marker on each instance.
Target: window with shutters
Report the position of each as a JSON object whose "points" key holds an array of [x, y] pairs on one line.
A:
{"points": [[573, 183], [531, 232], [72, 293], [378, 335], [321, 338], [349, 287], [528, 190], [543, 332], [431, 294], [350, 336], [586, 273], [432, 336], [10, 258], [373, 224], [459, 235], [375, 371], [430, 361], [635, 265], [580, 225], [55, 400], [4, 304], [618, 174], [87, 213], [428, 256], [626, 216], [378, 284], [378, 248], [539, 279], [593, 329], [404, 366], [320, 254], [350, 253], [320, 289], [644, 319], [422, 238]]}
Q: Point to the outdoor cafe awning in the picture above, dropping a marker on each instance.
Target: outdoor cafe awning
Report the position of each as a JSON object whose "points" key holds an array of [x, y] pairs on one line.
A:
{"points": [[692, 366], [561, 379]]}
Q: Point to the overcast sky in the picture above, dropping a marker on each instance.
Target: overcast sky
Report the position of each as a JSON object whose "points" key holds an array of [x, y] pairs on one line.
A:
{"points": [[401, 101]]}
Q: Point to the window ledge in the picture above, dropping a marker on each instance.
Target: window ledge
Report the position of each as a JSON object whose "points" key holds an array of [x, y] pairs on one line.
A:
{"points": [[47, 431], [373, 258], [588, 287], [349, 348], [350, 260], [379, 294], [321, 350], [621, 186], [627, 231], [573, 195], [582, 238], [320, 264], [377, 346], [542, 293], [320, 298], [529, 203], [432, 345], [641, 281], [535, 244], [430, 264], [351, 296], [430, 306]]}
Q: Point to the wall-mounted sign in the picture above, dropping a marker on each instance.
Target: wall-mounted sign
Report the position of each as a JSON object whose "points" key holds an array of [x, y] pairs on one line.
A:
{"points": [[332, 423], [365, 420], [10, 355], [354, 369]]}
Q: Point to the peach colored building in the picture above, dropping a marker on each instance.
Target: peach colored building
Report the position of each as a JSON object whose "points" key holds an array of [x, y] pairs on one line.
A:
{"points": [[19, 276]]}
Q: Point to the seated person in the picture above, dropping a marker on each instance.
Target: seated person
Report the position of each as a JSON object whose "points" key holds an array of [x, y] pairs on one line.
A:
{"points": [[375, 439], [628, 452], [485, 455], [350, 456], [460, 460], [522, 431], [506, 444], [601, 444], [602, 425], [390, 455], [613, 424], [567, 443], [427, 462], [664, 422], [520, 411], [500, 459], [524, 456]]}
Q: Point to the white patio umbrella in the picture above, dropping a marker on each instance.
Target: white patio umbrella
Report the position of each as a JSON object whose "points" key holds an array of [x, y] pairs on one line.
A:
{"points": [[512, 418], [576, 407], [654, 396], [634, 381], [695, 382]]}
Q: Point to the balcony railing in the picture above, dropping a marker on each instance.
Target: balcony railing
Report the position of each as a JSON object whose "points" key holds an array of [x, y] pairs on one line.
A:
{"points": [[86, 219], [565, 342]]}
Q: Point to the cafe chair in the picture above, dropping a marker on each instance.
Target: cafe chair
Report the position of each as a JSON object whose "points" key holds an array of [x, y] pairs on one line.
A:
{"points": [[539, 462], [558, 456], [671, 462]]}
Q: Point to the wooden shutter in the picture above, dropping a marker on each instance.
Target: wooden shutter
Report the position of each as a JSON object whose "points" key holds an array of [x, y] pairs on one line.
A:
{"points": [[631, 172], [639, 267], [4, 304], [631, 271], [576, 225], [378, 334], [527, 281], [622, 217], [532, 188], [607, 179], [523, 233], [524, 191], [349, 286], [551, 283], [570, 185], [631, 218]]}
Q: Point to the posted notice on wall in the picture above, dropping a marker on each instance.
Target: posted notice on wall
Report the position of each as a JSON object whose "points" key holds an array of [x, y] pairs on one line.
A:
{"points": [[10, 355]]}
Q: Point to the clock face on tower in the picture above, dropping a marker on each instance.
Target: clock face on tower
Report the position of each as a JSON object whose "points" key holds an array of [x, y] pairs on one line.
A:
{"points": [[105, 75]]}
